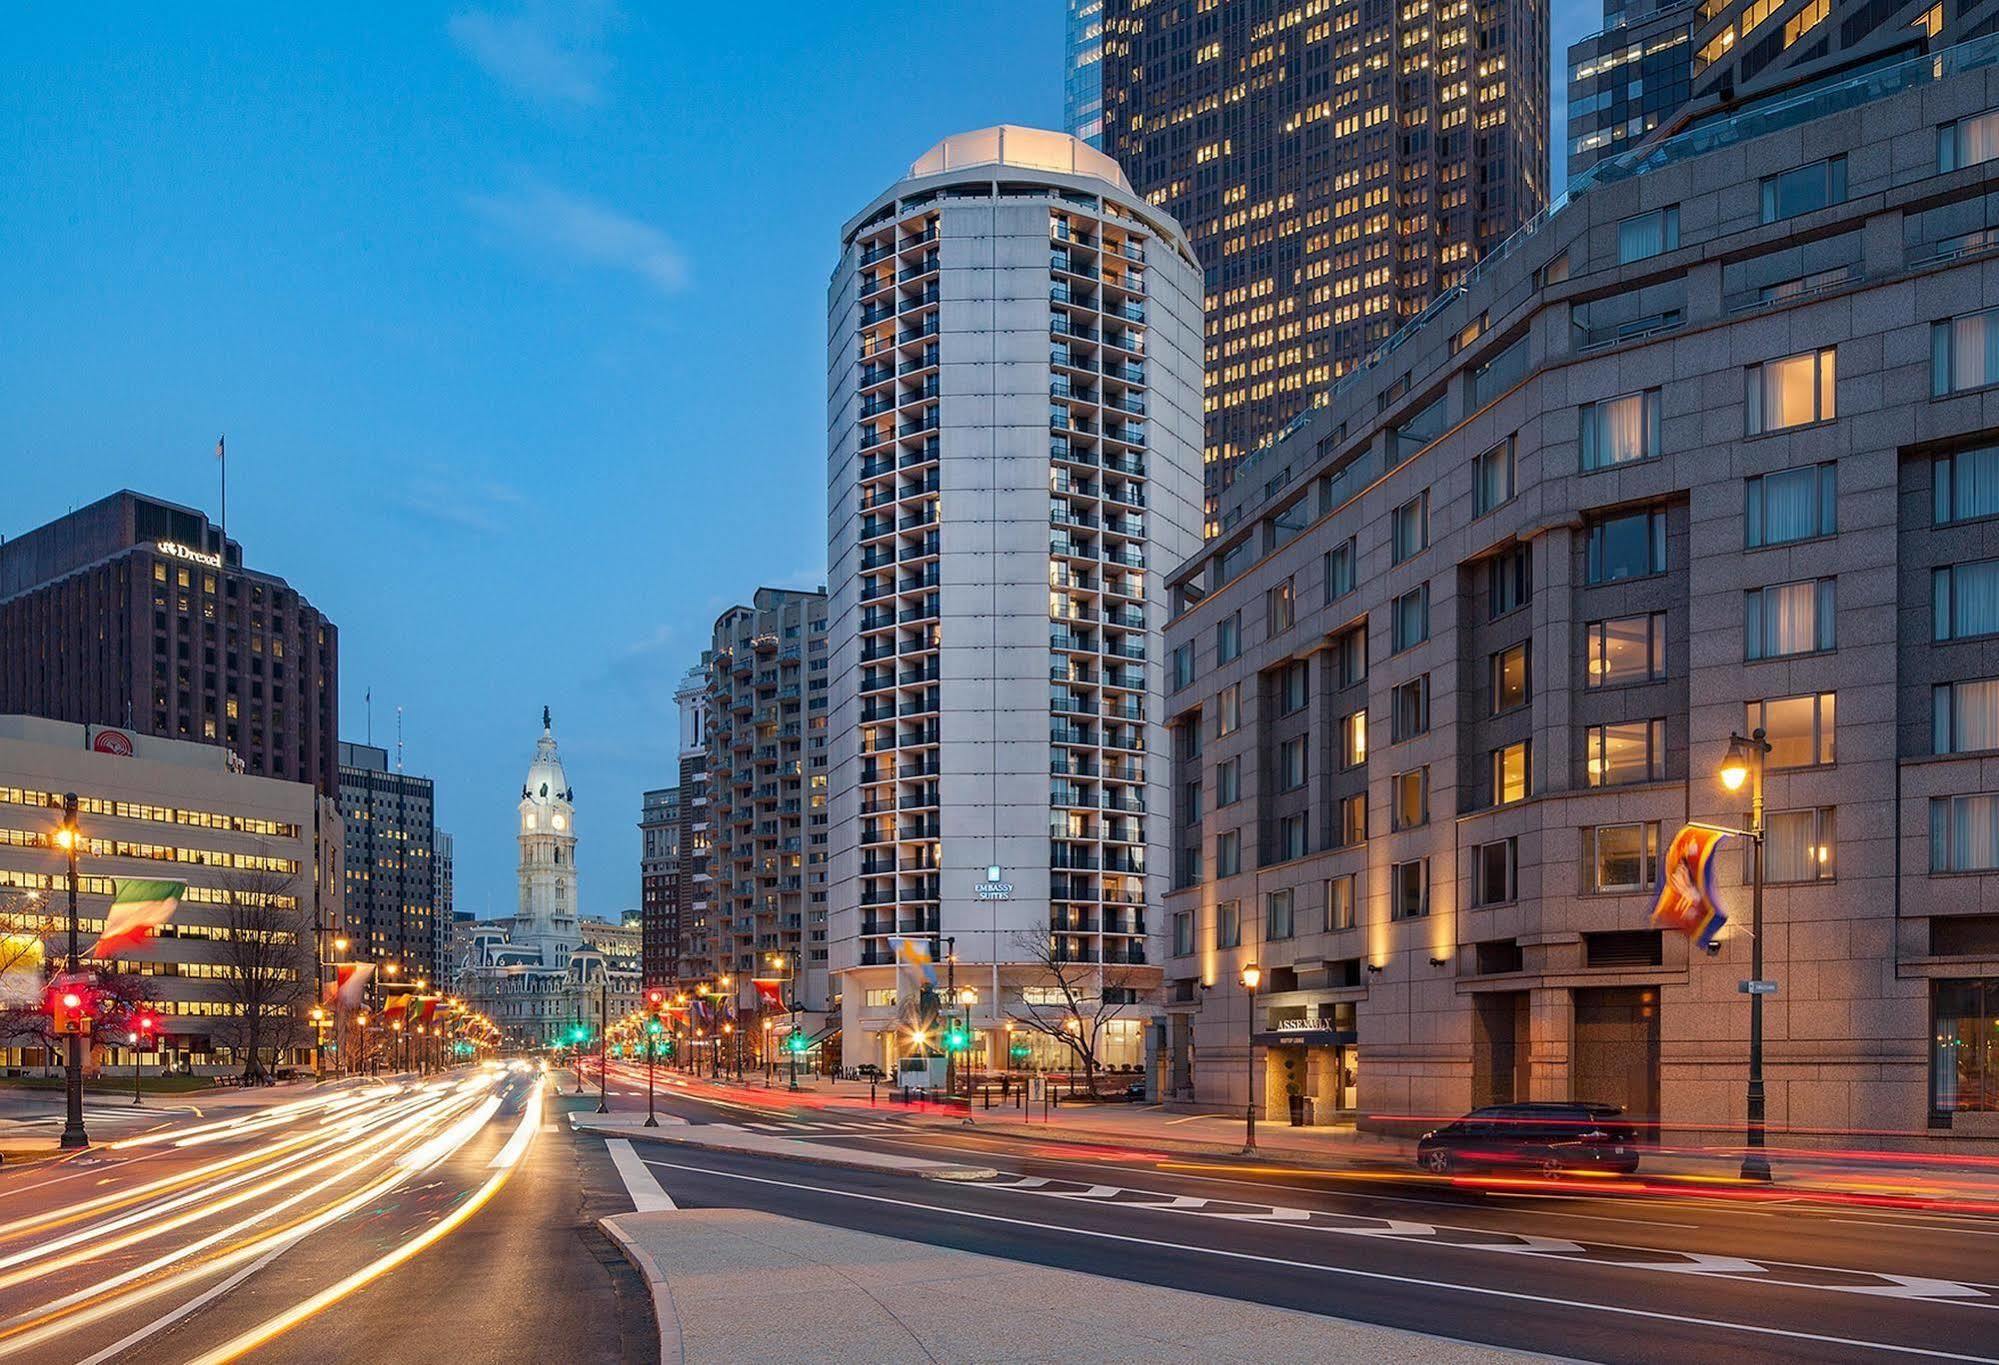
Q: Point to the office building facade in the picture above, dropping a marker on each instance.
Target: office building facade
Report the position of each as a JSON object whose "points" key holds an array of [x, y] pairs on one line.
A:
{"points": [[659, 885], [1444, 699], [256, 854], [391, 872], [139, 614], [1014, 381], [1335, 168], [1667, 67], [1083, 72]]}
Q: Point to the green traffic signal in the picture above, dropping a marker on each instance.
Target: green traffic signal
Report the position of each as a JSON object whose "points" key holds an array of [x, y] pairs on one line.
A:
{"points": [[956, 1039], [653, 1027]]}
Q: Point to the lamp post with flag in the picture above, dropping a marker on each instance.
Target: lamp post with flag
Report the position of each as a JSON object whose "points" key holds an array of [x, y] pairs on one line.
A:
{"points": [[1745, 762]]}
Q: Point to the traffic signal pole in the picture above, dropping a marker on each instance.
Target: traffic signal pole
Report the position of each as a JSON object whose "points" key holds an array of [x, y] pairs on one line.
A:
{"points": [[73, 1134]]}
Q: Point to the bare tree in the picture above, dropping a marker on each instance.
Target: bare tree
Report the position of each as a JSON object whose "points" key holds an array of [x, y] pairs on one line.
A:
{"points": [[1079, 1001], [266, 966]]}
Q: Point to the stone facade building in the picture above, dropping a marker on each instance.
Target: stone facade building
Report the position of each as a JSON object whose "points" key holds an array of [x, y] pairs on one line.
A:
{"points": [[1715, 448]]}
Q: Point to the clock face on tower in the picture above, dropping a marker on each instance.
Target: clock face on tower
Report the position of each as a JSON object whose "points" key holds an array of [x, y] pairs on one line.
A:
{"points": [[559, 823]]}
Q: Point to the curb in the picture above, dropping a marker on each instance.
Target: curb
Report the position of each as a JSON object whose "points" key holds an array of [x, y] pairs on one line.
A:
{"points": [[942, 1170], [665, 1318]]}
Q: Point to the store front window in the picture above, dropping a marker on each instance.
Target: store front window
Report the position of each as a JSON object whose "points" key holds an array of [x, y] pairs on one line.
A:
{"points": [[1964, 1046]]}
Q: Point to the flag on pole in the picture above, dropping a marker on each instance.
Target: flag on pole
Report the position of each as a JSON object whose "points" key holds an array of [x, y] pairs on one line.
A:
{"points": [[1687, 902], [915, 983], [427, 1011], [396, 1006], [770, 991], [349, 986], [138, 909], [218, 449]]}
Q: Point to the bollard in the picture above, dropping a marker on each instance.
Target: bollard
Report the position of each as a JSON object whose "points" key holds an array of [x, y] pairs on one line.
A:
{"points": [[871, 1091]]}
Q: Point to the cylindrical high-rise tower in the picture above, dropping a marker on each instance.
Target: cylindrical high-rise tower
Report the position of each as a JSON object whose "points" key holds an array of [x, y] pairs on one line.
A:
{"points": [[1014, 424]]}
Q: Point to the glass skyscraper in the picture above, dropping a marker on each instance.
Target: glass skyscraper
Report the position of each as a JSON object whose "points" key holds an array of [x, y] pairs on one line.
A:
{"points": [[1083, 72]]}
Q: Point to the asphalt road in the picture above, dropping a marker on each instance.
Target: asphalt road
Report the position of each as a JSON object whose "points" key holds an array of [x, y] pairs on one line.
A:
{"points": [[1652, 1279], [453, 1218]]}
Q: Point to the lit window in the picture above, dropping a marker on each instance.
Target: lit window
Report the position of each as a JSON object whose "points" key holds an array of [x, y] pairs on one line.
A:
{"points": [[1628, 751], [1795, 391], [1626, 649], [1799, 730], [1797, 845], [1510, 773], [1409, 889], [1624, 857], [1509, 681], [1410, 795]]}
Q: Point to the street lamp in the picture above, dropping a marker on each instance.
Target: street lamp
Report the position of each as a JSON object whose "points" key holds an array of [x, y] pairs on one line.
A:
{"points": [[1252, 975], [1744, 763], [73, 1134]]}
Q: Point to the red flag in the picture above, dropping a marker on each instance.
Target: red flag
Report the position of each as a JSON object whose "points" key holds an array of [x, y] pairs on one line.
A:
{"points": [[429, 1009], [350, 984], [770, 991], [396, 1006]]}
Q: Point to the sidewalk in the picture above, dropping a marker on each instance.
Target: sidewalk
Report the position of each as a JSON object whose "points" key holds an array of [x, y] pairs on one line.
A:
{"points": [[733, 1285]]}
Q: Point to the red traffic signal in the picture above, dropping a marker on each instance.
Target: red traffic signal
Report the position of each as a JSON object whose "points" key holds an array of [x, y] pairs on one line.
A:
{"points": [[654, 999], [146, 1024], [71, 1007]]}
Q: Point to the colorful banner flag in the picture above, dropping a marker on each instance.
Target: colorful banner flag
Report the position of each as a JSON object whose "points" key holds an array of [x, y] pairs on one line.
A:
{"points": [[427, 1008], [396, 1006], [915, 983], [1687, 902], [349, 986], [138, 909], [770, 992]]}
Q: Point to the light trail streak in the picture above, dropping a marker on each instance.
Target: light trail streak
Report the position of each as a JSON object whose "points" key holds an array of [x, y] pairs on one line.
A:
{"points": [[406, 1123], [382, 1265]]}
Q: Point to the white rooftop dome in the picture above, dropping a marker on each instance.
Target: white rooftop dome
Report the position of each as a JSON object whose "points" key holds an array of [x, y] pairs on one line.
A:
{"points": [[1034, 149]]}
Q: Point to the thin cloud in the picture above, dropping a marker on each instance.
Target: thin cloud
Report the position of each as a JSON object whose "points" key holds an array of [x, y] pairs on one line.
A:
{"points": [[581, 230], [483, 508], [553, 54]]}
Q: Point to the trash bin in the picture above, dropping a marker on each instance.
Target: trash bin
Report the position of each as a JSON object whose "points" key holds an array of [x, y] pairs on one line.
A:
{"points": [[1301, 1110]]}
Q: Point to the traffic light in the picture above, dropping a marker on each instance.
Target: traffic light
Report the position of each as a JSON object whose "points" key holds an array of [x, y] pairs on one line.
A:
{"points": [[654, 1027], [144, 1026], [71, 1007], [655, 999], [796, 1041], [957, 1038]]}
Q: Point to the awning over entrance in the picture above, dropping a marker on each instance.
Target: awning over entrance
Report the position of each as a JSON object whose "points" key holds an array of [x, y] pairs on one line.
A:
{"points": [[1306, 1037]]}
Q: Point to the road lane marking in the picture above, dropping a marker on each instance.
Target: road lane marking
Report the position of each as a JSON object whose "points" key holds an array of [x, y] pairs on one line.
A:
{"points": [[1885, 1284], [1173, 1169], [640, 1184], [1350, 1272]]}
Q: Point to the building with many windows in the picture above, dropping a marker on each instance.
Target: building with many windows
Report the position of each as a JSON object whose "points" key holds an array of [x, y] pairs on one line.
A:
{"points": [[765, 782], [139, 614], [659, 885], [1083, 72], [1335, 167], [1013, 399], [1716, 449], [256, 854], [391, 912], [1669, 66]]}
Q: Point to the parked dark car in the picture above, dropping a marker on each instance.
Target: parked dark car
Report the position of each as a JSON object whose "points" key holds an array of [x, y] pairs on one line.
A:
{"points": [[868, 1071], [1549, 1137]]}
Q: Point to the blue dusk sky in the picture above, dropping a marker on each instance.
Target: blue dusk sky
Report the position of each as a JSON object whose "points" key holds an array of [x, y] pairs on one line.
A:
{"points": [[513, 316]]}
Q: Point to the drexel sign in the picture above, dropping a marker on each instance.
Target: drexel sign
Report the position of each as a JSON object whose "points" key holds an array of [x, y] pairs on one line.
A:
{"points": [[176, 550]]}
